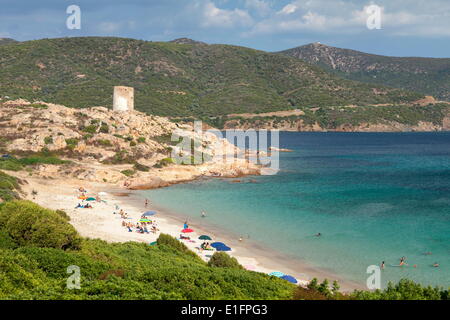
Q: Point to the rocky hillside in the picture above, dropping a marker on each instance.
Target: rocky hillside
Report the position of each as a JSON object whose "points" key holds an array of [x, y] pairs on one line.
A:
{"points": [[176, 79], [98, 144], [381, 118], [429, 76], [7, 41]]}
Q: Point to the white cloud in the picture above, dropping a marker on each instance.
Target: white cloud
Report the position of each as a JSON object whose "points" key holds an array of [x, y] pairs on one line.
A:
{"points": [[216, 17], [430, 18], [288, 9]]}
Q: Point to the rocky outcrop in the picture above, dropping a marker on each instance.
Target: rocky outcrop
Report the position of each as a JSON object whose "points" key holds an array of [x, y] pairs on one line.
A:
{"points": [[127, 148]]}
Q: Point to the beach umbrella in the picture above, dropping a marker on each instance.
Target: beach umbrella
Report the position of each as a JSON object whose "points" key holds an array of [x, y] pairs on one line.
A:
{"points": [[82, 197], [223, 248], [289, 278], [204, 237], [149, 213], [90, 199], [277, 274], [145, 220], [218, 244], [187, 230], [154, 243]]}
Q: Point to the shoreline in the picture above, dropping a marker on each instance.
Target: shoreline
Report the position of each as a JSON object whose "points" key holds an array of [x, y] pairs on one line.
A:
{"points": [[265, 259], [100, 223]]}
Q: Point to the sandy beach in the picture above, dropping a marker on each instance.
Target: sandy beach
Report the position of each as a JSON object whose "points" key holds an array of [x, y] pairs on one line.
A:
{"points": [[100, 222]]}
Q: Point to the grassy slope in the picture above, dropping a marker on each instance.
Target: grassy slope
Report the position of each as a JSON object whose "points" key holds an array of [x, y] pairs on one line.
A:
{"points": [[33, 265], [175, 79], [429, 76]]}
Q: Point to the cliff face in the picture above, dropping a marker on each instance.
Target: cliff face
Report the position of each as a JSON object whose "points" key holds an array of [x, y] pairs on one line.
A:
{"points": [[107, 146]]}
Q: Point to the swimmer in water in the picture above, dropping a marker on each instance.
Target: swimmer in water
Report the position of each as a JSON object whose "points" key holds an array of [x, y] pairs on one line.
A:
{"points": [[318, 235], [382, 265], [436, 265], [203, 214]]}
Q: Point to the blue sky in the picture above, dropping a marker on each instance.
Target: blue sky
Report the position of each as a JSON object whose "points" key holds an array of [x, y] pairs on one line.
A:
{"points": [[408, 27]]}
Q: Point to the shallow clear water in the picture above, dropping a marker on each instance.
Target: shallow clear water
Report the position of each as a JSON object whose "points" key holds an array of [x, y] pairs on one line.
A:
{"points": [[373, 196]]}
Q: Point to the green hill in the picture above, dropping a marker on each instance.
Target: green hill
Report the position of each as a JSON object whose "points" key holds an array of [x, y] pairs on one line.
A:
{"points": [[173, 79], [428, 76], [7, 41], [37, 246]]}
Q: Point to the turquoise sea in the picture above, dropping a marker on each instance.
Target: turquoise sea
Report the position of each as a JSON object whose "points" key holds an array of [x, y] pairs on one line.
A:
{"points": [[372, 196]]}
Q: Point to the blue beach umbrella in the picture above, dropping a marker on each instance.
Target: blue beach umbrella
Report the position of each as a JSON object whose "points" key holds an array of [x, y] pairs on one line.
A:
{"points": [[204, 237], [277, 274], [218, 244], [149, 213], [289, 278], [223, 248]]}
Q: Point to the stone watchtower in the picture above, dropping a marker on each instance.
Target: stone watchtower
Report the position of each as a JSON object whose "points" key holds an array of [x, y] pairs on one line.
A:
{"points": [[123, 99]]}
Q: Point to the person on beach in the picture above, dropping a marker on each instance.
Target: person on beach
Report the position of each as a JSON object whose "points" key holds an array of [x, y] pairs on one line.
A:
{"points": [[240, 239], [382, 264]]}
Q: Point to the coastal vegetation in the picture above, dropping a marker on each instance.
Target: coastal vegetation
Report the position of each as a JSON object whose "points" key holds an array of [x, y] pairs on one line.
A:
{"points": [[9, 187], [330, 118], [17, 163], [178, 80], [37, 246]]}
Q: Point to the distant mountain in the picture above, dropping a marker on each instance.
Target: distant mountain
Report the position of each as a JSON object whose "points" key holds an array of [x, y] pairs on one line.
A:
{"points": [[6, 41], [186, 41], [430, 76], [179, 80]]}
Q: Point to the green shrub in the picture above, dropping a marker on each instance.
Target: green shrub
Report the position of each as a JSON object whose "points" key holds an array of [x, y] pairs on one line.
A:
{"points": [[48, 140], [104, 128], [88, 136], [133, 143], [141, 140], [31, 225], [104, 143], [72, 143], [41, 159], [128, 172], [10, 164], [90, 129], [6, 242], [164, 162], [8, 187], [171, 242], [141, 167], [223, 260], [38, 106]]}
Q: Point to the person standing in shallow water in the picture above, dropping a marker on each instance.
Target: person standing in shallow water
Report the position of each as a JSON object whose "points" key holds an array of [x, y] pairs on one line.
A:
{"points": [[146, 203]]}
